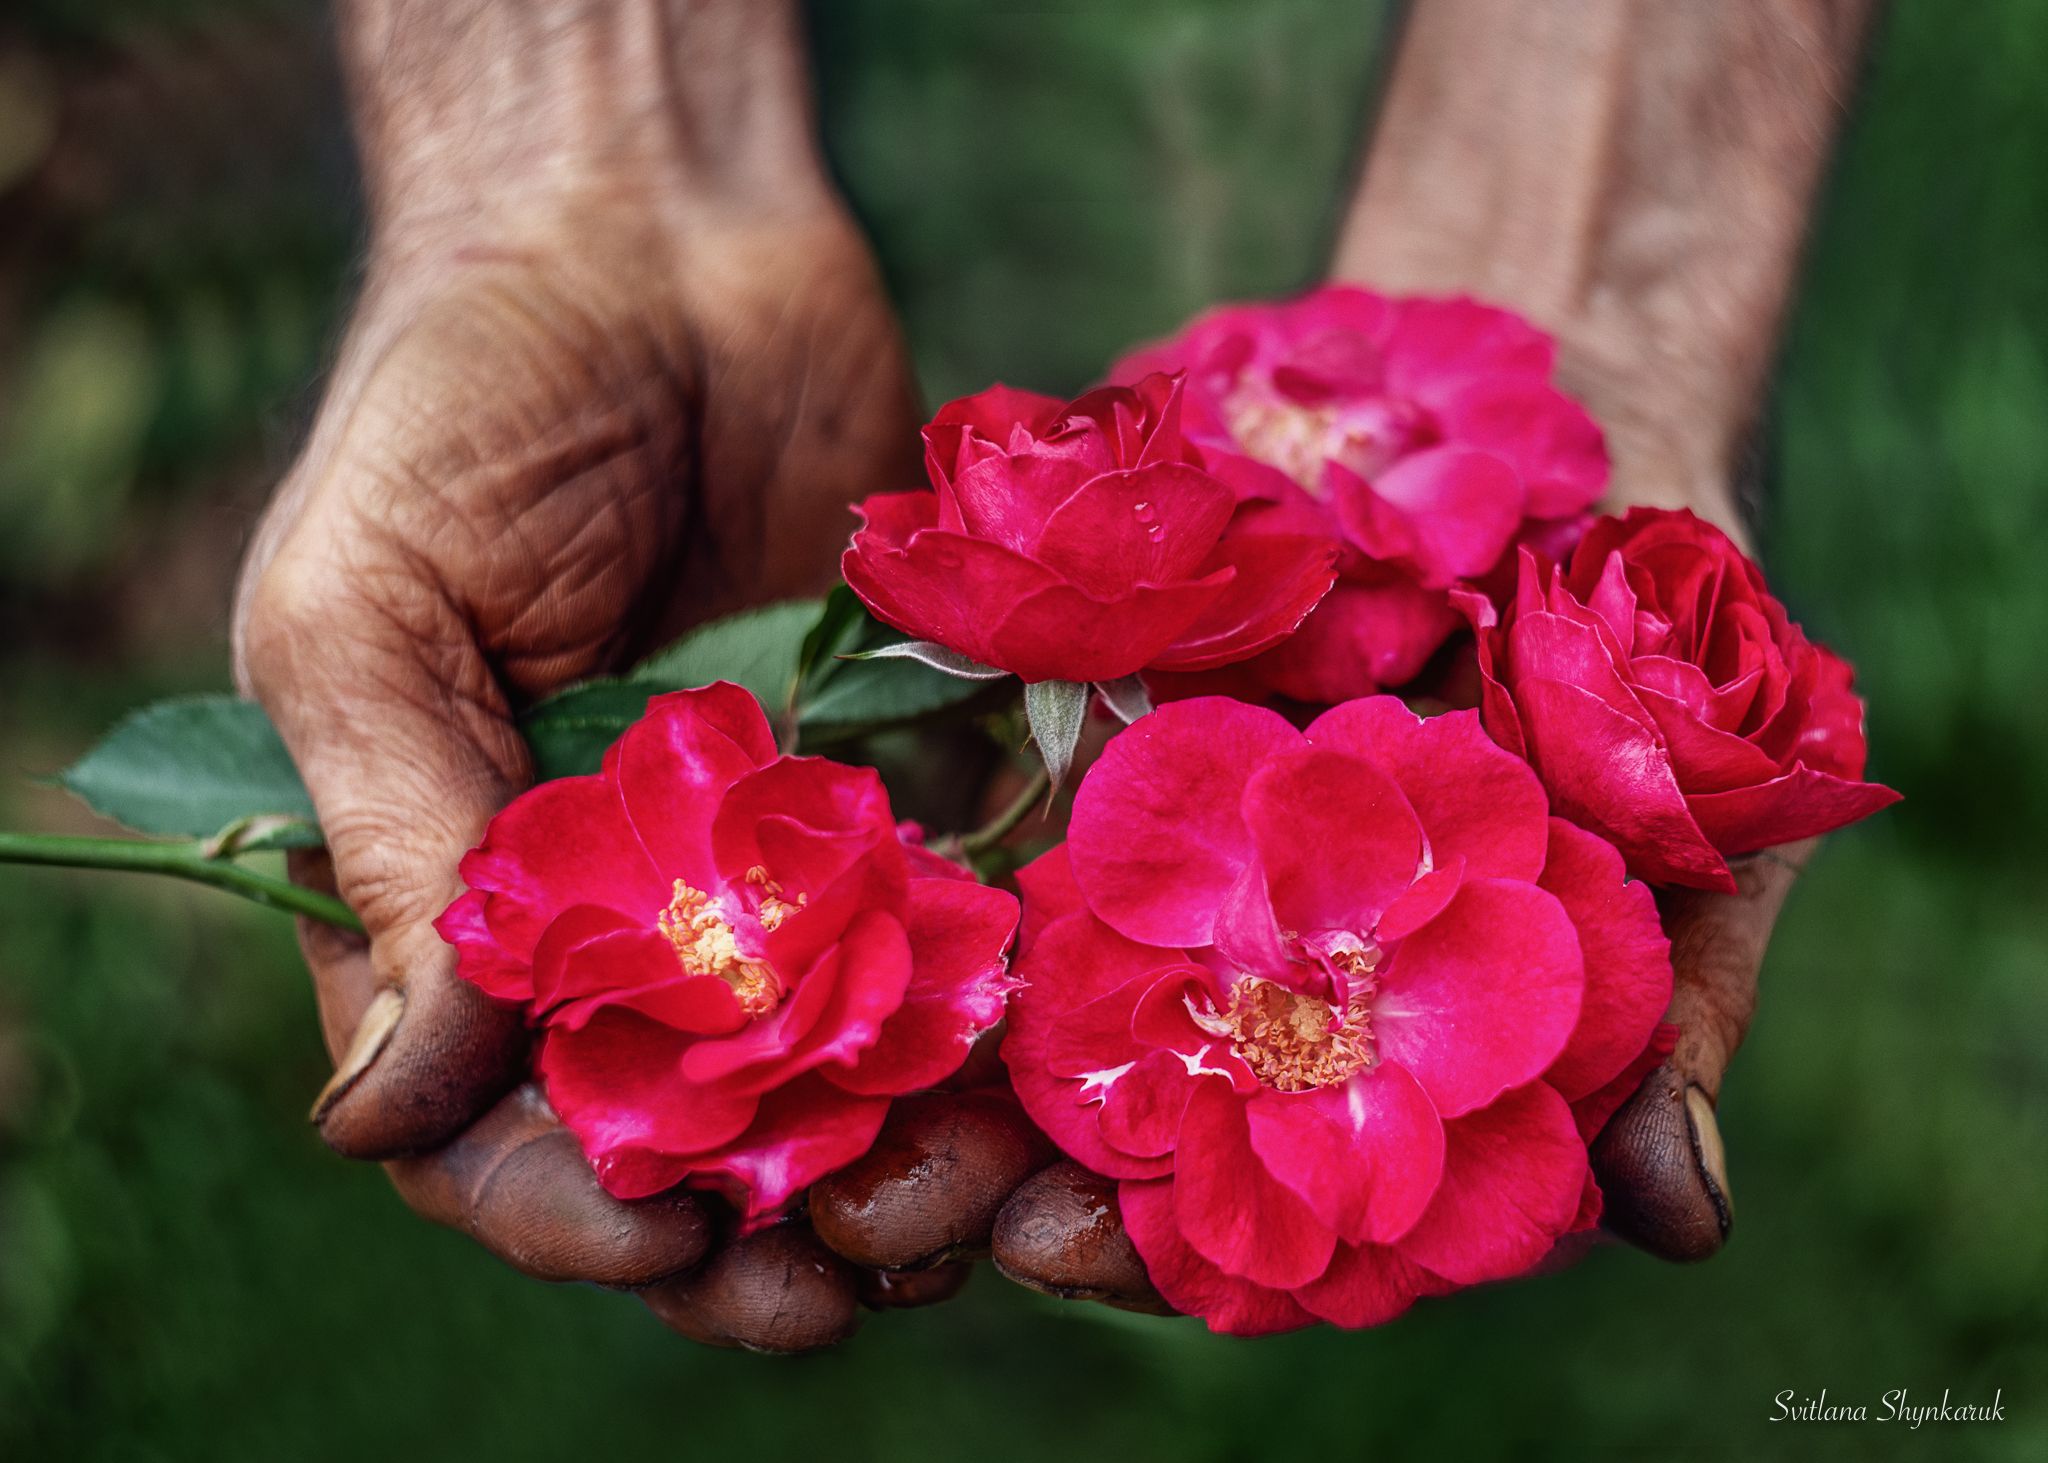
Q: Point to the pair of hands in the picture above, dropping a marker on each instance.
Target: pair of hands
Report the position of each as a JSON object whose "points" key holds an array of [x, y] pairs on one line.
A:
{"points": [[535, 460], [621, 360]]}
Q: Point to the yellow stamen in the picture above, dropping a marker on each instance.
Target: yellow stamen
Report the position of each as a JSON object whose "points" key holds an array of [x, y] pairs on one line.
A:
{"points": [[1291, 438], [1293, 1042], [705, 945], [774, 908]]}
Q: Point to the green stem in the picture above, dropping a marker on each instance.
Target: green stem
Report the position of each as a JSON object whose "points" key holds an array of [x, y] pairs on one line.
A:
{"points": [[179, 861], [993, 832]]}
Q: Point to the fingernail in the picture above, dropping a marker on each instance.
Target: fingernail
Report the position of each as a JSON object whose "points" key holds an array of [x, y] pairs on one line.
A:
{"points": [[373, 1033], [1712, 1158]]}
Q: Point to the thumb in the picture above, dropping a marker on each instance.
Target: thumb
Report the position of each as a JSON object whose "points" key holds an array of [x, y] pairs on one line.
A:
{"points": [[1660, 1161], [407, 747]]}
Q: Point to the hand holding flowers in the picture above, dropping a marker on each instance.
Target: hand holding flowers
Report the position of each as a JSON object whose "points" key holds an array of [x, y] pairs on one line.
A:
{"points": [[1341, 998]]}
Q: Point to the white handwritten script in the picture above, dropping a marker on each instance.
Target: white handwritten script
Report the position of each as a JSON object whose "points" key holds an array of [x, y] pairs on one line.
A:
{"points": [[1897, 1405]]}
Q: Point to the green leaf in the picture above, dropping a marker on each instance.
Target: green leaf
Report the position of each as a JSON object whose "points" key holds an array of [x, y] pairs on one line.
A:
{"points": [[867, 696], [841, 627], [1056, 711], [935, 655], [758, 649], [855, 682], [570, 731], [1126, 696], [212, 766], [191, 767]]}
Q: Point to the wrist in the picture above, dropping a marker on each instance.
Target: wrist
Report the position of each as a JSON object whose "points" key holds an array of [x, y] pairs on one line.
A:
{"points": [[1635, 179], [505, 122]]}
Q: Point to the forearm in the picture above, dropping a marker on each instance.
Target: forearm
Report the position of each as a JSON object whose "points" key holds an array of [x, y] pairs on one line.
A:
{"points": [[515, 107], [1636, 177]]}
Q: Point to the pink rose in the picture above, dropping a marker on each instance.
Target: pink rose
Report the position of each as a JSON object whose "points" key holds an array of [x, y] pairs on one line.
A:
{"points": [[1421, 436], [1078, 541], [1668, 702], [734, 962], [1340, 1009]]}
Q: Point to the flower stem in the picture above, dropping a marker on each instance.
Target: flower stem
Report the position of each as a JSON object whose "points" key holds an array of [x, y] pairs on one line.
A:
{"points": [[993, 832], [179, 861]]}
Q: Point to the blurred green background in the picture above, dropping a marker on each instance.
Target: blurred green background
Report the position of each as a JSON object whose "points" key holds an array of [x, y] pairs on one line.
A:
{"points": [[186, 1273]]}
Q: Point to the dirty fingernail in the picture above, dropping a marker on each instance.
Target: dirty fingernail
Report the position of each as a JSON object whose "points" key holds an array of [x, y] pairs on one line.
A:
{"points": [[1713, 1159], [373, 1033]]}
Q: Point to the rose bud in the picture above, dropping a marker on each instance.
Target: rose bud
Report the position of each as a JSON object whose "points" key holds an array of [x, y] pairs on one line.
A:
{"points": [[732, 959], [1669, 703], [1078, 541], [1422, 437], [1338, 1008]]}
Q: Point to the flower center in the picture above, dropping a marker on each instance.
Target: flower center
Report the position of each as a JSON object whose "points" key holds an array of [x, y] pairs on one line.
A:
{"points": [[1295, 1042], [705, 944], [1365, 436]]}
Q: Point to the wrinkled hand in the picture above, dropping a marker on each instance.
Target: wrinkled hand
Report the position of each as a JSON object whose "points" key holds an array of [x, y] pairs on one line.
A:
{"points": [[543, 451]]}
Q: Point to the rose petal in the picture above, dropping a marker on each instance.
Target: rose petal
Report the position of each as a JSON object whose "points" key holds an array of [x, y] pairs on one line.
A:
{"points": [[1460, 510], [1628, 960], [1474, 800], [618, 1085], [1156, 837], [1060, 633], [1512, 1177], [1365, 1155], [958, 932], [675, 761], [1154, 525], [479, 958], [1336, 837], [1610, 774], [1484, 996], [1362, 636], [561, 844], [1801, 804], [940, 585], [1230, 1209], [1548, 438], [1189, 1283], [802, 1132], [1141, 1111], [1367, 1285], [1279, 578]]}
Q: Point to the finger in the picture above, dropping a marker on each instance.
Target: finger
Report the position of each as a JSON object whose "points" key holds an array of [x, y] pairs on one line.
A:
{"points": [[517, 1182], [896, 1290], [1061, 1233], [777, 1290], [407, 748], [930, 1188], [1660, 1163]]}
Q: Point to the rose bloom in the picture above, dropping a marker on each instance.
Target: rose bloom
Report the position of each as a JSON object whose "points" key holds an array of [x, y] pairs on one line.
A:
{"points": [[1340, 1009], [1421, 436], [1668, 702], [1078, 541], [733, 960]]}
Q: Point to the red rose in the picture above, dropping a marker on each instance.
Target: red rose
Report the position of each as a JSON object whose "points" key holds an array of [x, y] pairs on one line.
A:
{"points": [[1422, 437], [1668, 702], [1078, 541], [733, 959], [1340, 1009]]}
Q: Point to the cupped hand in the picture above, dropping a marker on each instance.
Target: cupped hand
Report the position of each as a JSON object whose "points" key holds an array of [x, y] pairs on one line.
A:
{"points": [[547, 445]]}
